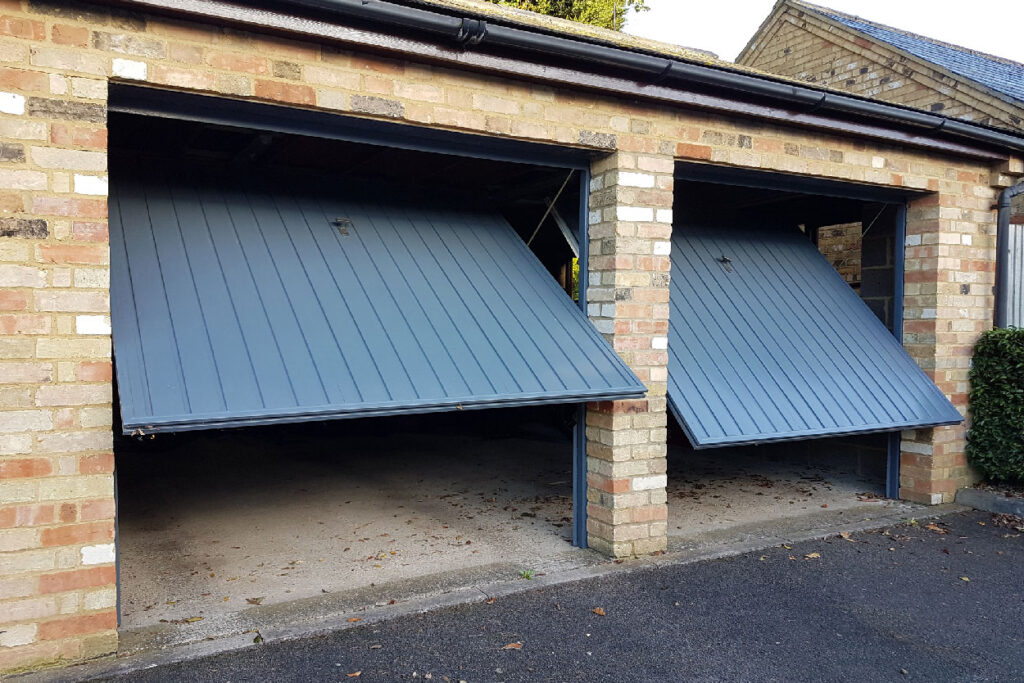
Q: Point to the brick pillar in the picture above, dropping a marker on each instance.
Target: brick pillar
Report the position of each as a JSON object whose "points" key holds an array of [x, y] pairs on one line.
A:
{"points": [[948, 303], [630, 228], [57, 574]]}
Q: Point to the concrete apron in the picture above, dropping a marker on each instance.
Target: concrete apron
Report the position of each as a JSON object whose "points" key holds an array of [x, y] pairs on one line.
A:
{"points": [[237, 520]]}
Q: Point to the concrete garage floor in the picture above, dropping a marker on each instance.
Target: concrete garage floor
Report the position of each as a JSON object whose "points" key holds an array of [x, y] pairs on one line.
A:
{"points": [[217, 528], [238, 518], [722, 489]]}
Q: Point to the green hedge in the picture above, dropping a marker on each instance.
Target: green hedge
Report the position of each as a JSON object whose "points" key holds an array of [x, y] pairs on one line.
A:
{"points": [[995, 443]]}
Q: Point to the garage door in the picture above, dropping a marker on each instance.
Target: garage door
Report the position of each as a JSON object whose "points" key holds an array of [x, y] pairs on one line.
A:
{"points": [[768, 343], [256, 300]]}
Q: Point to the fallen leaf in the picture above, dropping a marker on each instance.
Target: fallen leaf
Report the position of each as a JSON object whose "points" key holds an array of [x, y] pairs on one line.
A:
{"points": [[355, 674], [812, 556], [964, 578], [192, 620], [599, 611], [254, 601], [376, 647], [513, 646], [845, 535], [492, 601], [171, 602], [353, 620], [936, 528], [763, 558]]}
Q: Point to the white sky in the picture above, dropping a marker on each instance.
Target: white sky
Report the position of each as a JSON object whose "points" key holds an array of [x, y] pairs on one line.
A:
{"points": [[725, 26]]}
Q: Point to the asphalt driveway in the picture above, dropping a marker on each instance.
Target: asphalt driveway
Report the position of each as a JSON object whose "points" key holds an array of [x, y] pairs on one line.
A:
{"points": [[931, 601]]}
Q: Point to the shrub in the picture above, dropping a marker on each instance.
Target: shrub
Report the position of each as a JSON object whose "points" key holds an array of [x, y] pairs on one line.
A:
{"points": [[995, 443]]}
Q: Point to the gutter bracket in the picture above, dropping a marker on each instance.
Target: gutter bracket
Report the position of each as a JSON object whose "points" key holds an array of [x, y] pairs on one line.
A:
{"points": [[665, 73], [471, 32], [819, 104]]}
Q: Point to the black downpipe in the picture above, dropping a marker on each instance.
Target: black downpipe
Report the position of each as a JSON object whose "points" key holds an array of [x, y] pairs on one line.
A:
{"points": [[648, 68], [1002, 251]]}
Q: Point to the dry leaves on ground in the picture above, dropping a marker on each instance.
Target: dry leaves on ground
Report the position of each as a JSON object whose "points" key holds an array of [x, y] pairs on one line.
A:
{"points": [[599, 611], [255, 601], [936, 528], [812, 556], [513, 646]]}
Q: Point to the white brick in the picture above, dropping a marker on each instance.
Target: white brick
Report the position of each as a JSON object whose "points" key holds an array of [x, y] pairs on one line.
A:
{"points": [[98, 554], [597, 183], [635, 214], [21, 634], [659, 343], [913, 240], [91, 184], [662, 248], [92, 324], [636, 179], [915, 447], [129, 68], [663, 216], [25, 421], [594, 217], [594, 310], [11, 103], [966, 239], [608, 310], [657, 481], [101, 599], [878, 162]]}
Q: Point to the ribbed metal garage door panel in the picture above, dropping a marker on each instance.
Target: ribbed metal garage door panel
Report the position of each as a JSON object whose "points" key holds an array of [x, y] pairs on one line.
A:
{"points": [[777, 346], [238, 302]]}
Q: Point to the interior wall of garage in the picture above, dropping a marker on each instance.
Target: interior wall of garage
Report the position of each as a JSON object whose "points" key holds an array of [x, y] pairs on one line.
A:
{"points": [[57, 592]]}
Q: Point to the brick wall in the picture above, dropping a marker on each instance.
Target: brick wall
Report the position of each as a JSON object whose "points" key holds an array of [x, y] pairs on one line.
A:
{"points": [[840, 244], [802, 45], [56, 490]]}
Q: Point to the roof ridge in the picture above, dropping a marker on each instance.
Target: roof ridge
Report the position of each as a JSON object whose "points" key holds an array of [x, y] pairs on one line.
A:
{"points": [[828, 11]]}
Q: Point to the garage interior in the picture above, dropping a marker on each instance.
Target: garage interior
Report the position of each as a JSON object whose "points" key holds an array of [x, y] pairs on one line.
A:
{"points": [[229, 516]]}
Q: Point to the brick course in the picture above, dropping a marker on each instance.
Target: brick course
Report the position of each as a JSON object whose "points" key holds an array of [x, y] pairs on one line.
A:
{"points": [[56, 492]]}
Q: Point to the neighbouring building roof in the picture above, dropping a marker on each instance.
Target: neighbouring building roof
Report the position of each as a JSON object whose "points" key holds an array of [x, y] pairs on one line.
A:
{"points": [[1001, 75]]}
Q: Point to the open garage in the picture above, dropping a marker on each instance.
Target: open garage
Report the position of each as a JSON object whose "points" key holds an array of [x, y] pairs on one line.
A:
{"points": [[340, 363], [787, 380]]}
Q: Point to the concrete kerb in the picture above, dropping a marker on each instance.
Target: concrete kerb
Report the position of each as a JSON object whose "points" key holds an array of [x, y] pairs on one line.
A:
{"points": [[990, 501], [290, 625]]}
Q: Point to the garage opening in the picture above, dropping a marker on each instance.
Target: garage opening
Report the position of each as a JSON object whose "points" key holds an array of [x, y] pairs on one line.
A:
{"points": [[268, 288], [787, 381]]}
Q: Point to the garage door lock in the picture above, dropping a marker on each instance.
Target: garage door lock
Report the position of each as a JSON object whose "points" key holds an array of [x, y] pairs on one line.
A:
{"points": [[343, 225]]}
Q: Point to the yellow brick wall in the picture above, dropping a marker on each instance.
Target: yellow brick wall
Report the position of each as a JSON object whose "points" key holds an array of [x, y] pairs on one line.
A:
{"points": [[56, 487], [804, 46]]}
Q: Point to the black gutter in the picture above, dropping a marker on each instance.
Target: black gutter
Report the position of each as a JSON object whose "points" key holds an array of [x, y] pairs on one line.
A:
{"points": [[651, 69], [1002, 251]]}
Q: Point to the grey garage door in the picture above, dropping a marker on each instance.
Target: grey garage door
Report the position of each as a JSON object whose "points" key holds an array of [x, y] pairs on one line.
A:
{"points": [[768, 343], [266, 299]]}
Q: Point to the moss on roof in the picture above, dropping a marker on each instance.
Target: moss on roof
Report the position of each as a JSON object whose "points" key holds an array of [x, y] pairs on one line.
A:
{"points": [[574, 29]]}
